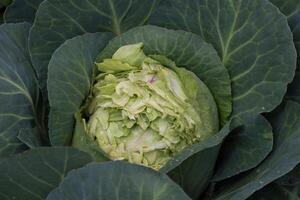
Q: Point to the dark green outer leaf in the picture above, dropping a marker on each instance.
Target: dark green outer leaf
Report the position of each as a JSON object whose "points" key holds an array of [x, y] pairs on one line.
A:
{"points": [[194, 174], [294, 21], [292, 178], [33, 174], [186, 50], [21, 10], [18, 87], [251, 36], [275, 191], [117, 181], [284, 157], [288, 7], [294, 88], [245, 147], [70, 78], [203, 156], [4, 3], [30, 137], [56, 21]]}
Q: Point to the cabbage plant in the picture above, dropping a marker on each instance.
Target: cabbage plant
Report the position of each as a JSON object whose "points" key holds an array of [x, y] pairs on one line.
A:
{"points": [[131, 99]]}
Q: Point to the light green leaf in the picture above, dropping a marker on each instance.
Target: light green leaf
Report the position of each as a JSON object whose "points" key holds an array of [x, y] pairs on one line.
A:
{"points": [[85, 143], [78, 17], [21, 10], [251, 36], [117, 180], [70, 78], [18, 89], [186, 50], [284, 157], [33, 174], [130, 54], [201, 100], [245, 147], [198, 94]]}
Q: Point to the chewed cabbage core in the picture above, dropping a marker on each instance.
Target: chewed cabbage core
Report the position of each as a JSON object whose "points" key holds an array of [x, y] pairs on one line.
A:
{"points": [[139, 110]]}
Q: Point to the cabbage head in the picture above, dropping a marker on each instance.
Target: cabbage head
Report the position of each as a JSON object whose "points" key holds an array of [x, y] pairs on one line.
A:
{"points": [[139, 109]]}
